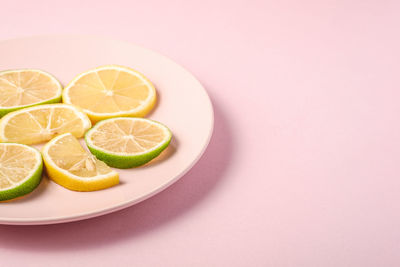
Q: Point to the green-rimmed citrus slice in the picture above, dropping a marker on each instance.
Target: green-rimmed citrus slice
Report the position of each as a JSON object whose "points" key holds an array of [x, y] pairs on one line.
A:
{"points": [[27, 87], [127, 142], [20, 170], [70, 165], [111, 91], [41, 123]]}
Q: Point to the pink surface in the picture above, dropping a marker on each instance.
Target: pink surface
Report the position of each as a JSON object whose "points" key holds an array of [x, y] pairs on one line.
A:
{"points": [[302, 169]]}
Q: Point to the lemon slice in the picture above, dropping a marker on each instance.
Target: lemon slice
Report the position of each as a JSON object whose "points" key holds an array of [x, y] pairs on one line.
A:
{"points": [[127, 142], [41, 123], [20, 170], [27, 87], [70, 165], [111, 91]]}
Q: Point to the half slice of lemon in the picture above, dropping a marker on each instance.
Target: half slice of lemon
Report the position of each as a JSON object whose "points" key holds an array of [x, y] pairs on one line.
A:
{"points": [[71, 166]]}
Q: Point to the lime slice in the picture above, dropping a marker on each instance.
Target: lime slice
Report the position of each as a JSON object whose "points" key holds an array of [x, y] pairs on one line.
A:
{"points": [[27, 87], [41, 123], [127, 142], [111, 91], [71, 166], [20, 170]]}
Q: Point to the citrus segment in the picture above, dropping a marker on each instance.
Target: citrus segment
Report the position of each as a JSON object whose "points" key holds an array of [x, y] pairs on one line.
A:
{"points": [[41, 123], [127, 142], [70, 165], [111, 91], [20, 170], [27, 87]]}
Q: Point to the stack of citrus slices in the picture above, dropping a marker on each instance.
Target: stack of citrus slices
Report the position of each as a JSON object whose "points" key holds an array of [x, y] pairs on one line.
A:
{"points": [[114, 98]]}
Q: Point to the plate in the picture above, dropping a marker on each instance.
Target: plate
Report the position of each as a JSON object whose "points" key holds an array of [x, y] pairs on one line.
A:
{"points": [[183, 105]]}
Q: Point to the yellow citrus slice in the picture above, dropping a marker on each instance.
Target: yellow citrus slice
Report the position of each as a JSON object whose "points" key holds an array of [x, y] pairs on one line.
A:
{"points": [[71, 166], [111, 91], [27, 87], [41, 123], [20, 170], [127, 142]]}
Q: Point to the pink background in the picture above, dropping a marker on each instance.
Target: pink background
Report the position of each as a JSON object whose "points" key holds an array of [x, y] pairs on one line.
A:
{"points": [[303, 168]]}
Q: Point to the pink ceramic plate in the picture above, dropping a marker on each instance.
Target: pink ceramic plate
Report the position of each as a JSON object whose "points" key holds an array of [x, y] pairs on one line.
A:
{"points": [[183, 106]]}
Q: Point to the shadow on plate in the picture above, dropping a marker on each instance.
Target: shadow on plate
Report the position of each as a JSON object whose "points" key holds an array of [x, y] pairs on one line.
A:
{"points": [[35, 193], [157, 212], [168, 152]]}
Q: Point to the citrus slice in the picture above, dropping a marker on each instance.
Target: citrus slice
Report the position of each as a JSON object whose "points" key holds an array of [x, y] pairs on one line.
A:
{"points": [[20, 170], [71, 166], [111, 91], [41, 123], [127, 142], [27, 87]]}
